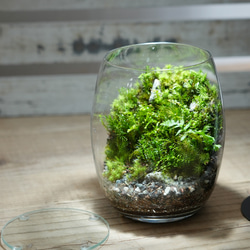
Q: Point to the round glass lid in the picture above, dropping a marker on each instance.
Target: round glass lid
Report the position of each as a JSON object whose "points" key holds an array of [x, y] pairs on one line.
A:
{"points": [[55, 228]]}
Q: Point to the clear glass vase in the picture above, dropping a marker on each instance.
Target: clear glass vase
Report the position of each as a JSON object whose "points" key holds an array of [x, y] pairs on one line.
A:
{"points": [[157, 130]]}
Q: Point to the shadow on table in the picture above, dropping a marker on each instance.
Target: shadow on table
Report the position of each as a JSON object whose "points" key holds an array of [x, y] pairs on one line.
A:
{"points": [[215, 220]]}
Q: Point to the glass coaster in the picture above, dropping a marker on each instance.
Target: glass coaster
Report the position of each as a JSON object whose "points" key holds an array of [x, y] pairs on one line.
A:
{"points": [[55, 228]]}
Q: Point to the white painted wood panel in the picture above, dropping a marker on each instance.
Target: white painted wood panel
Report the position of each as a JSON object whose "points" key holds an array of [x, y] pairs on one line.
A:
{"points": [[43, 58], [46, 95], [73, 94], [235, 89], [233, 64], [24, 43], [130, 14], [17, 5]]}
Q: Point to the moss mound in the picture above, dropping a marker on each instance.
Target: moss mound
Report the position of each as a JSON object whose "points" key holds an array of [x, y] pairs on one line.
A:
{"points": [[167, 122]]}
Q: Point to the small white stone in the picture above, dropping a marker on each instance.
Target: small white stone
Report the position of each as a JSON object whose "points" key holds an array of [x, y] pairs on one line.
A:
{"points": [[157, 176], [192, 106], [137, 190], [156, 87], [125, 189], [116, 189], [167, 190], [176, 191]]}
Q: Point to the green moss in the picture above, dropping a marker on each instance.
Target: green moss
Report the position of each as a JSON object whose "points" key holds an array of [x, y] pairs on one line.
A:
{"points": [[115, 170], [170, 128]]}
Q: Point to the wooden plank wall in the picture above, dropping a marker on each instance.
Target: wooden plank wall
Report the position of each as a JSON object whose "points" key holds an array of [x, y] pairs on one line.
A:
{"points": [[50, 51]]}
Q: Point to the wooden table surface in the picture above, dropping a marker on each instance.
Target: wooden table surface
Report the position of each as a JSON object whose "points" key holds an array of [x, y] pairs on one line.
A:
{"points": [[47, 162]]}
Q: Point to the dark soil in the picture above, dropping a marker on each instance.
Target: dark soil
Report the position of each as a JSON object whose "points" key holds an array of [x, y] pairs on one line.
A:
{"points": [[158, 196]]}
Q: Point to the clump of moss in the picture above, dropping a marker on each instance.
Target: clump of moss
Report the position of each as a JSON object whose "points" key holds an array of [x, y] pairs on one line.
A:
{"points": [[168, 122]]}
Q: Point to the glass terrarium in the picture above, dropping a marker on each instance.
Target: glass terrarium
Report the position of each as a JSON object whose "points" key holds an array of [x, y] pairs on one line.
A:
{"points": [[157, 130]]}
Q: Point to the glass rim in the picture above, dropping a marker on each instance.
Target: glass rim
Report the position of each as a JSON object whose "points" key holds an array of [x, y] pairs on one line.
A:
{"points": [[206, 59]]}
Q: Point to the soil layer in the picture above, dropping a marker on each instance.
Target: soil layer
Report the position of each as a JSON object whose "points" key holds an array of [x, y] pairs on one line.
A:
{"points": [[157, 195]]}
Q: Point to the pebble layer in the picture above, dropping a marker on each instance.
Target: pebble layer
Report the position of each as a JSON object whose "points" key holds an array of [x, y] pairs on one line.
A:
{"points": [[158, 195]]}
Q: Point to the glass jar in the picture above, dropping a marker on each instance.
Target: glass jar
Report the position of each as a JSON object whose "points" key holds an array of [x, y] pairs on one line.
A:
{"points": [[157, 130]]}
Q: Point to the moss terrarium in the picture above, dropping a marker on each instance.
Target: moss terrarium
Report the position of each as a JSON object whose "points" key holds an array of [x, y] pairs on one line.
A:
{"points": [[157, 130]]}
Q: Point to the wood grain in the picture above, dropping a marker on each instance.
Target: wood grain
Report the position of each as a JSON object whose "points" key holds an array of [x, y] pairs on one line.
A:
{"points": [[47, 162]]}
